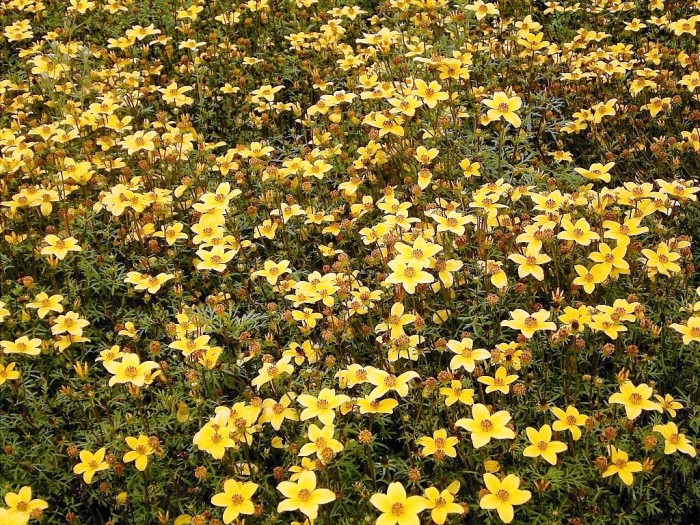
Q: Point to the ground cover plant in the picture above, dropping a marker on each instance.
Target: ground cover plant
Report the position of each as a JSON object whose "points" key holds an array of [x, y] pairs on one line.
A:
{"points": [[336, 262]]}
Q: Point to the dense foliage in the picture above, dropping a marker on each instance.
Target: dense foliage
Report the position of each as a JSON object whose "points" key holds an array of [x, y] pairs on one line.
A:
{"points": [[373, 262]]}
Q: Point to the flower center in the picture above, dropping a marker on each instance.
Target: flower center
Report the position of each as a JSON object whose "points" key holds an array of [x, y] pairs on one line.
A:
{"points": [[530, 322], [397, 509], [636, 398], [486, 425], [503, 495]]}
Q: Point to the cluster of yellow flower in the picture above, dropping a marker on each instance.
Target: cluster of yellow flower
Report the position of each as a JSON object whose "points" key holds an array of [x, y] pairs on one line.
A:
{"points": [[387, 252]]}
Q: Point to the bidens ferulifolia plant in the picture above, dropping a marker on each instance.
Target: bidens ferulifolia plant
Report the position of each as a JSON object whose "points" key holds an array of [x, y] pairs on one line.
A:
{"points": [[333, 262]]}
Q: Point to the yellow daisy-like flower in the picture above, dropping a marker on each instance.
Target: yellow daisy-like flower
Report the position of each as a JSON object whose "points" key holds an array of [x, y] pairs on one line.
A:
{"points": [[91, 463], [542, 444], [503, 107], [485, 426], [622, 466], [303, 495], [503, 496], [140, 450], [396, 507], [635, 399]]}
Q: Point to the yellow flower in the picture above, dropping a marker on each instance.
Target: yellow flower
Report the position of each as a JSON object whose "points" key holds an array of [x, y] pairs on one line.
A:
{"points": [[439, 445], [140, 450], [424, 155], [22, 345], [408, 274], [503, 495], [466, 356], [418, 255], [384, 382], [580, 232], [596, 172], [214, 439], [130, 370], [442, 503], [542, 444], [635, 399], [58, 247], [431, 93], [669, 404], [189, 346], [323, 407], [236, 499], [275, 412], [45, 304], [8, 373], [482, 9], [270, 371], [81, 6], [303, 495], [21, 506], [662, 260], [588, 279], [527, 323], [621, 232], [484, 426], [149, 283], [321, 441], [267, 229], [396, 321], [129, 330], [214, 258], [4, 312], [70, 323], [455, 392], [622, 466], [569, 420], [272, 271], [174, 95], [141, 140], [529, 264], [500, 382], [611, 262], [690, 330], [91, 463], [307, 351], [376, 406], [503, 106], [674, 440], [396, 507]]}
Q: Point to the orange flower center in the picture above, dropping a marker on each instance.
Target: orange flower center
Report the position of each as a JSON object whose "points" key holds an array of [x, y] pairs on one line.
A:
{"points": [[503, 495]]}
